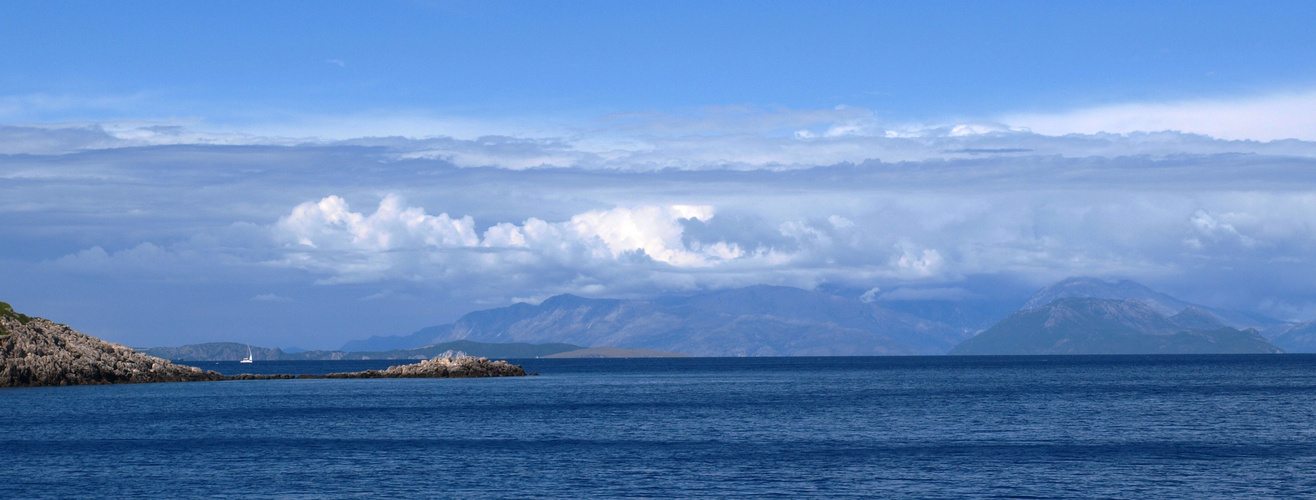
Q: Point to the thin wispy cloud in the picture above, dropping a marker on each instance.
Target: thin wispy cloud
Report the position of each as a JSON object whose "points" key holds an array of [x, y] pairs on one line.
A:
{"points": [[744, 138], [1270, 117], [269, 297]]}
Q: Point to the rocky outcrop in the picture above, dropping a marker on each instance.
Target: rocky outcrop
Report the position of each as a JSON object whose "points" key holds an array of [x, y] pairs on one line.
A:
{"points": [[458, 367], [39, 352]]}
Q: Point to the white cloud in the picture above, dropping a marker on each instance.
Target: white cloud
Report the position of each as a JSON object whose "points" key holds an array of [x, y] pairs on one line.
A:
{"points": [[870, 295], [269, 297], [145, 258], [652, 230], [1214, 230], [913, 263], [330, 224], [892, 240], [1270, 117], [402, 242]]}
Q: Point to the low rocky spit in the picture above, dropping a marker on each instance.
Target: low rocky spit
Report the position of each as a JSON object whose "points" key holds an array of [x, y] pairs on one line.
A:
{"points": [[38, 352], [459, 367]]}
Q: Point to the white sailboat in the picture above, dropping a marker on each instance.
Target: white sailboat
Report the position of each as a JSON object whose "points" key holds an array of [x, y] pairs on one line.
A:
{"points": [[248, 358]]}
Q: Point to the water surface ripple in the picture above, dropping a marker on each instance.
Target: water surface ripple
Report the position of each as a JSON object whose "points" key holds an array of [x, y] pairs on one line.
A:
{"points": [[925, 427]]}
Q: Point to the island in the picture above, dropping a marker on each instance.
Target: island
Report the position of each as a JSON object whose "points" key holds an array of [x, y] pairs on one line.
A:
{"points": [[38, 352]]}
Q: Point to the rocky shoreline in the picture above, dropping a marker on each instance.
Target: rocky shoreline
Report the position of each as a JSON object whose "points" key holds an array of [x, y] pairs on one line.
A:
{"points": [[37, 352], [458, 367]]}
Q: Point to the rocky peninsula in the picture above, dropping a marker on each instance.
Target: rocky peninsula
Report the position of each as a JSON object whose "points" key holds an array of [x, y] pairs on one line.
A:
{"points": [[38, 352]]}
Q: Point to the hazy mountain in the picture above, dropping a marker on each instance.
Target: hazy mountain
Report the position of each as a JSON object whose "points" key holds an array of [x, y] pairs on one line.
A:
{"points": [[782, 321], [971, 305], [616, 352], [419, 338], [1195, 318], [1129, 290], [753, 321], [1082, 325], [1300, 337], [966, 316], [212, 351], [232, 351]]}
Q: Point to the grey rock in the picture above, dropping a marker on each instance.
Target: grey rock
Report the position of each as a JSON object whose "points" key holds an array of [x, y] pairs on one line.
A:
{"points": [[39, 352], [456, 367]]}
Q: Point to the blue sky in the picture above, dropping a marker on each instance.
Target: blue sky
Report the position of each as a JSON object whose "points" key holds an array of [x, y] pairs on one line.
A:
{"points": [[244, 62], [339, 170]]}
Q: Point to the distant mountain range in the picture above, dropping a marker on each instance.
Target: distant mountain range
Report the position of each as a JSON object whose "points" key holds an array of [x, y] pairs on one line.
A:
{"points": [[1293, 337], [753, 321], [233, 351], [1076, 315]]}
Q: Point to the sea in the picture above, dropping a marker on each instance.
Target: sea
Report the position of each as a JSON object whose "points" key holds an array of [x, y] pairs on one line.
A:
{"points": [[1236, 426]]}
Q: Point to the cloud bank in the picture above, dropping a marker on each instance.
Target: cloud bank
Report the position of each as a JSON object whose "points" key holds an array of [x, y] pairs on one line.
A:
{"points": [[490, 236], [403, 232], [1255, 118], [744, 137]]}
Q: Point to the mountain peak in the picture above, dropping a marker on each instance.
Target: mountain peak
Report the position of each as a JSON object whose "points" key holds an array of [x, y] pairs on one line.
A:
{"points": [[1087, 325], [1131, 290], [1197, 318], [1102, 289], [758, 320]]}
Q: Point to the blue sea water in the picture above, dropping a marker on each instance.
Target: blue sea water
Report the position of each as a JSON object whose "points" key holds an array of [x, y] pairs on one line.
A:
{"points": [[919, 427]]}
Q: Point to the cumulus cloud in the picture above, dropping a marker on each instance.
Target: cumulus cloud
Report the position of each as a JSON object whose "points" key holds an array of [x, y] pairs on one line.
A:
{"points": [[398, 241], [890, 242], [144, 258], [1212, 230], [334, 226]]}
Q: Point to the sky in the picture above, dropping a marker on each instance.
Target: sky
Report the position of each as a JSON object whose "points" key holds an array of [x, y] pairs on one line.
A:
{"points": [[307, 173]]}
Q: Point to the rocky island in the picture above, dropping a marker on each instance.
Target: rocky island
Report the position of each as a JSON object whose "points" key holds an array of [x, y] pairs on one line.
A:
{"points": [[38, 352]]}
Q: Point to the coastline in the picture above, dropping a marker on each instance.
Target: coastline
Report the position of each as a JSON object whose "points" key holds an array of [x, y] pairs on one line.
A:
{"points": [[36, 352]]}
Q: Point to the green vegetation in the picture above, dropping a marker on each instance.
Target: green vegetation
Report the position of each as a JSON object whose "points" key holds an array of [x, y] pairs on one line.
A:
{"points": [[7, 311]]}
